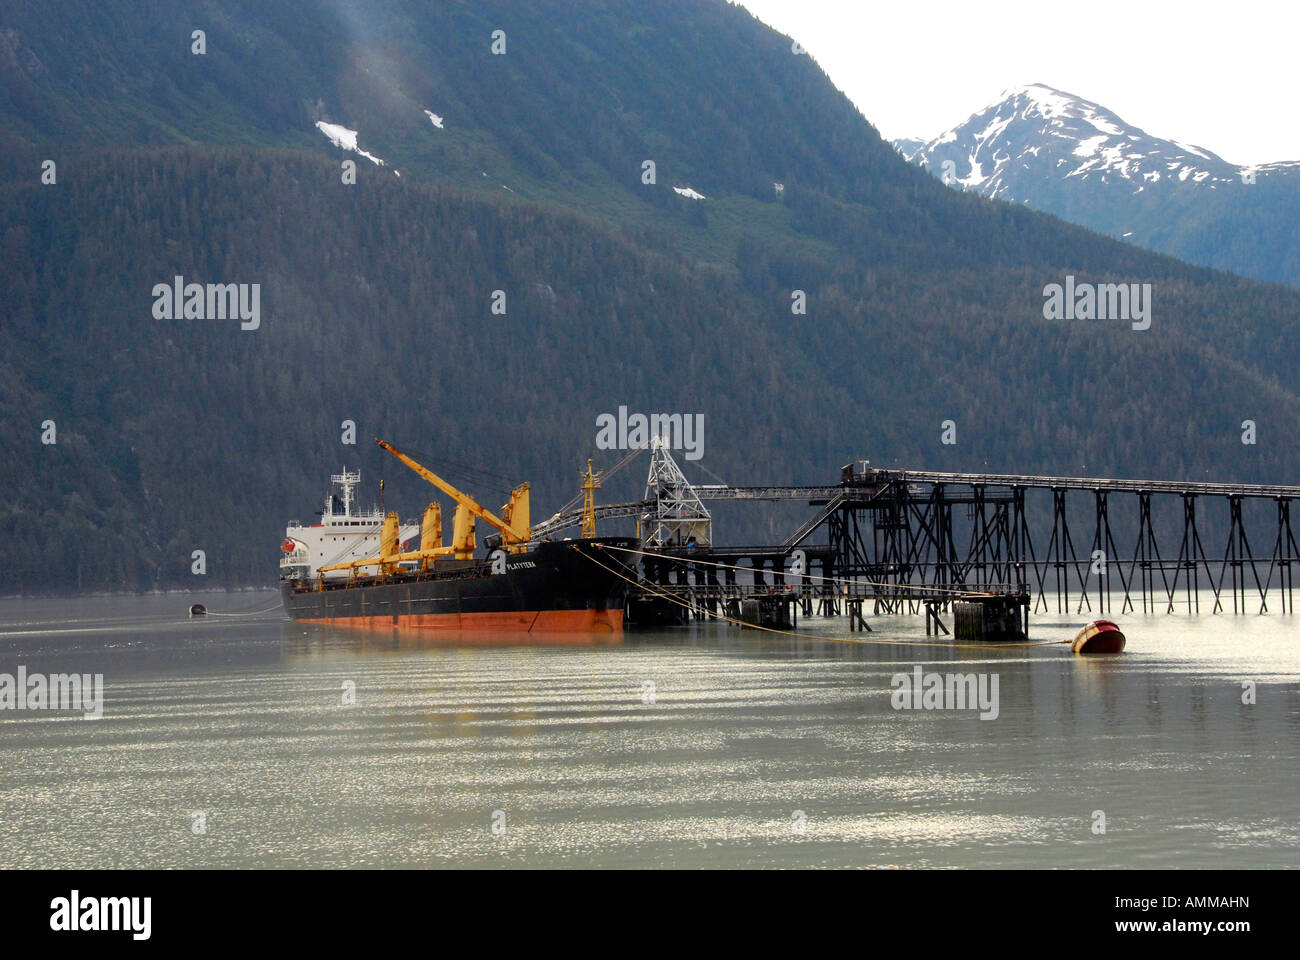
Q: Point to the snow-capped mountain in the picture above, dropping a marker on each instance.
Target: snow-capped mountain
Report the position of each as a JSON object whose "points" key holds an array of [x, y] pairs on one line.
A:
{"points": [[1060, 153], [1036, 132]]}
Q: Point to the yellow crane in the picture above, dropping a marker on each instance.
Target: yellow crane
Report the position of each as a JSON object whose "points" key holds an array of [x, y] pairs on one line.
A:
{"points": [[590, 484], [513, 524]]}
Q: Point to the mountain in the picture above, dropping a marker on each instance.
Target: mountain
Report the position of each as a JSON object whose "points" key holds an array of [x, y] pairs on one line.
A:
{"points": [[565, 117], [1061, 154], [679, 295]]}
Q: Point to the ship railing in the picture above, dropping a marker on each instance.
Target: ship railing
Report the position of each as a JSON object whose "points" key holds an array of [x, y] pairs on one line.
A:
{"points": [[414, 575]]}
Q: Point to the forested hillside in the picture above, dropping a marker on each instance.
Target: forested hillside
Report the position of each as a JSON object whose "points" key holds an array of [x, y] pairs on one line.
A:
{"points": [[923, 305]]}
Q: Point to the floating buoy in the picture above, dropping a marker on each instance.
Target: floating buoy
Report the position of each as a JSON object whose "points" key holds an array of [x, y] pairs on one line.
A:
{"points": [[198, 610], [1100, 636]]}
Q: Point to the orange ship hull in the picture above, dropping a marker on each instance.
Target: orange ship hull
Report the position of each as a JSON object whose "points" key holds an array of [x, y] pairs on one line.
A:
{"points": [[516, 621]]}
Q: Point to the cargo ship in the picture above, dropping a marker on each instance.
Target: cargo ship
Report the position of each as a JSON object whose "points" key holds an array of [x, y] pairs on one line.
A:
{"points": [[355, 569]]}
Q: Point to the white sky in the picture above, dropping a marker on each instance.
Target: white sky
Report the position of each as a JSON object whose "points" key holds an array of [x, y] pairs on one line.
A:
{"points": [[1223, 76]]}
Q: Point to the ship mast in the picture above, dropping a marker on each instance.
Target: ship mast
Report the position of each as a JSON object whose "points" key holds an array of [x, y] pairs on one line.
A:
{"points": [[590, 484], [347, 481]]}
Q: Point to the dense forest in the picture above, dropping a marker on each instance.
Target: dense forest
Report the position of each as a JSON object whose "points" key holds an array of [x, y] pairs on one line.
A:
{"points": [[922, 305]]}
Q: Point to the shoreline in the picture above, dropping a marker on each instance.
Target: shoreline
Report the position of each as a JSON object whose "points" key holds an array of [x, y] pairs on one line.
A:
{"points": [[109, 594]]}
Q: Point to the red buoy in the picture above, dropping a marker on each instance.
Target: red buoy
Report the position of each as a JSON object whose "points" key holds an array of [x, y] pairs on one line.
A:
{"points": [[1100, 636]]}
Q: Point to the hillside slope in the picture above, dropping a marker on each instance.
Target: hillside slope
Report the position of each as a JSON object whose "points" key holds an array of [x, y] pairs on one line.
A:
{"points": [[923, 305]]}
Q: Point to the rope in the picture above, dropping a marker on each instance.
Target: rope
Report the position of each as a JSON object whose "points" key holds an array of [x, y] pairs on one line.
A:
{"points": [[605, 476], [810, 636], [250, 613], [465, 474], [870, 583]]}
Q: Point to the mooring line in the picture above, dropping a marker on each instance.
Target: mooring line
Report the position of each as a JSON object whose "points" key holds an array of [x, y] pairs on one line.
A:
{"points": [[808, 636], [250, 613]]}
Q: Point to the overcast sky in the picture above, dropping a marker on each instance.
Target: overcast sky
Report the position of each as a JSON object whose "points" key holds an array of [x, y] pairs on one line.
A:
{"points": [[1220, 75]]}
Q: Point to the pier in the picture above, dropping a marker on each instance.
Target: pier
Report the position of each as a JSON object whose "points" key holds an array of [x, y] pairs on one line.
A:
{"points": [[893, 541]]}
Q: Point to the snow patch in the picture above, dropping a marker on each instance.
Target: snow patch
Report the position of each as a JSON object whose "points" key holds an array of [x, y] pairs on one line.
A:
{"points": [[1190, 149], [1088, 147], [434, 118], [976, 175], [341, 136], [1049, 103], [689, 193], [1102, 124], [996, 126], [1082, 170]]}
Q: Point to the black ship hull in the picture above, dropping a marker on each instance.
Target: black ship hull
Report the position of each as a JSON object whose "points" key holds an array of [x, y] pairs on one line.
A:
{"points": [[564, 586]]}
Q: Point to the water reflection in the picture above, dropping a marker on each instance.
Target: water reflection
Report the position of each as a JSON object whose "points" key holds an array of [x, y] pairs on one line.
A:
{"points": [[313, 639], [689, 747]]}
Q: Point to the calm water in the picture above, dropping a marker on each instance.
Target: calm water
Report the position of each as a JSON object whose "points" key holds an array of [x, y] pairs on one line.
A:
{"points": [[565, 755]]}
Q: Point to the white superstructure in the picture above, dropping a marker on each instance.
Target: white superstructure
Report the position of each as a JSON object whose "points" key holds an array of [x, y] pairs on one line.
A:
{"points": [[341, 534]]}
